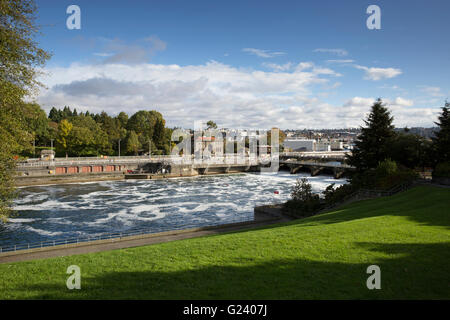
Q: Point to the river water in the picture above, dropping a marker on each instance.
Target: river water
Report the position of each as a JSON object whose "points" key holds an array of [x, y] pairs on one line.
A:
{"points": [[88, 209]]}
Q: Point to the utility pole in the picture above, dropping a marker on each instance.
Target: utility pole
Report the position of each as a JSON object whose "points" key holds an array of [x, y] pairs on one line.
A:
{"points": [[149, 149]]}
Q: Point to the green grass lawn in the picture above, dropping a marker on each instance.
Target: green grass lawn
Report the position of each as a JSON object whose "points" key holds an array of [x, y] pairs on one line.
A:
{"points": [[321, 257]]}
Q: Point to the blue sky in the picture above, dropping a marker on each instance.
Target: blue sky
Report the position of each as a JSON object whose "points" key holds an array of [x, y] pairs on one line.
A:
{"points": [[294, 64]]}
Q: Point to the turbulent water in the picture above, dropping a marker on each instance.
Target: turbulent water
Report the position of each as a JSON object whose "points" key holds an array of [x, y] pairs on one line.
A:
{"points": [[87, 209]]}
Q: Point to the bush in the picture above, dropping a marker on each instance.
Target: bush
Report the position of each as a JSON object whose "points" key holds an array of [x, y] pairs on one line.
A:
{"points": [[442, 170], [334, 195], [384, 177], [304, 202]]}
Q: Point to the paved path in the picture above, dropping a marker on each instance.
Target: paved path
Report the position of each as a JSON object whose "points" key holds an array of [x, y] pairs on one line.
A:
{"points": [[112, 244]]}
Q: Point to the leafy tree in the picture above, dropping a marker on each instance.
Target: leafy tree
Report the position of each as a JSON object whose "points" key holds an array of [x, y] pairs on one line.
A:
{"points": [[132, 143], [373, 144], [36, 122], [211, 125], [98, 139], [123, 119], [441, 141], [64, 129], [20, 56], [302, 190], [80, 142], [149, 126], [158, 134], [410, 150]]}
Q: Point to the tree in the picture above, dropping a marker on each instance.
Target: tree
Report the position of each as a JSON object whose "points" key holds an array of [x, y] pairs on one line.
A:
{"points": [[123, 119], [96, 140], [64, 129], [441, 141], [36, 122], [54, 115], [20, 56], [303, 201], [158, 134], [410, 150], [302, 190], [149, 126], [132, 143], [372, 145], [211, 125], [80, 142]]}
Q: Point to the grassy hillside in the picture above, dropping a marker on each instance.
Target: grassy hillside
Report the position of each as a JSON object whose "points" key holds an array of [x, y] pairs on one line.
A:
{"points": [[322, 257]]}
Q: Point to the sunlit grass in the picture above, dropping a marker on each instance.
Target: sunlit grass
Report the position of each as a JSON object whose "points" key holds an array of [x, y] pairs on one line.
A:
{"points": [[322, 257]]}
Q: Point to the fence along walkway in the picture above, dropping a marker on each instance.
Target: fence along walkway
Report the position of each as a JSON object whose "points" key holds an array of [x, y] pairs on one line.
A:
{"points": [[107, 236]]}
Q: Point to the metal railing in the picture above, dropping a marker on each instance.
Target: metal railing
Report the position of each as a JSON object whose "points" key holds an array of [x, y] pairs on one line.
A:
{"points": [[113, 236], [234, 159]]}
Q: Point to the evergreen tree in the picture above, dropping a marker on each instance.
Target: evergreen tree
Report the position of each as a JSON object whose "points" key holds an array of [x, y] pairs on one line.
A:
{"points": [[372, 145], [441, 141], [54, 115]]}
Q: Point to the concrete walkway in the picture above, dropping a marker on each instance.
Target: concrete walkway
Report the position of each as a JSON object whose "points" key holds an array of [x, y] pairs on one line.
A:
{"points": [[132, 241]]}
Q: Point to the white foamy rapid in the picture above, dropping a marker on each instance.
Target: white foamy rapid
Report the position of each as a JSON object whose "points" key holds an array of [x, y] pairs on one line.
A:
{"points": [[86, 209]]}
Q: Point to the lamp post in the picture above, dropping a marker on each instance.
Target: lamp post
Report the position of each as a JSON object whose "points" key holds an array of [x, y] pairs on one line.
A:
{"points": [[149, 149], [119, 148], [51, 148]]}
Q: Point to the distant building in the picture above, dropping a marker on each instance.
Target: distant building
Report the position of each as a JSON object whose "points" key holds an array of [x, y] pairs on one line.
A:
{"points": [[297, 145], [47, 154], [322, 146], [209, 145], [337, 145]]}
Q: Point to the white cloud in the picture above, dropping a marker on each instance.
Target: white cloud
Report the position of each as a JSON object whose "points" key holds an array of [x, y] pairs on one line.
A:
{"points": [[233, 97], [278, 67], [401, 109], [339, 52], [379, 73], [432, 91], [263, 53], [399, 101]]}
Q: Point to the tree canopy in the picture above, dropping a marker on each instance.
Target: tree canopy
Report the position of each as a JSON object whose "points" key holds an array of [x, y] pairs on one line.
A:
{"points": [[19, 58]]}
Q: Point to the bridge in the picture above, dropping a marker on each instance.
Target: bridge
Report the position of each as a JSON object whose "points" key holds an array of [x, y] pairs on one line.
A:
{"points": [[315, 167], [316, 162]]}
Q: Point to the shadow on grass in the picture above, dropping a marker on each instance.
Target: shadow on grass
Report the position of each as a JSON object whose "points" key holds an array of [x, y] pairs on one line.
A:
{"points": [[409, 271]]}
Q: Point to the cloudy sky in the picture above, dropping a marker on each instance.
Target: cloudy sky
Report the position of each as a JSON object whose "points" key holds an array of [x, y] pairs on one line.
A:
{"points": [[253, 64]]}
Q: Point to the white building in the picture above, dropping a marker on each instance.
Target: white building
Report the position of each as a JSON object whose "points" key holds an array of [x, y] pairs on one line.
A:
{"points": [[322, 146], [337, 145]]}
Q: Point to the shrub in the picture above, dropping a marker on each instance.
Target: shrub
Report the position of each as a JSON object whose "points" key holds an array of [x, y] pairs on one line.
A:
{"points": [[334, 195], [304, 202]]}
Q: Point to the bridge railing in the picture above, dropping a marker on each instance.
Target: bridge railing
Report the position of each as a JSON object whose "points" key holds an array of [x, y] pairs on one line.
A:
{"points": [[191, 159]]}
